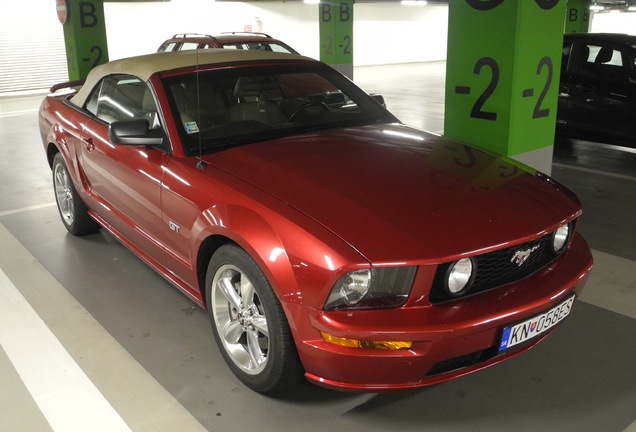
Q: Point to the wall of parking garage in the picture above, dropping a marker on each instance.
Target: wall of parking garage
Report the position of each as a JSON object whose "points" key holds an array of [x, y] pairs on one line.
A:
{"points": [[32, 54], [384, 33], [614, 22]]}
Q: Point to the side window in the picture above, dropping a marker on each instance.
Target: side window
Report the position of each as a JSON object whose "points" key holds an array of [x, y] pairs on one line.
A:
{"points": [[171, 47], [604, 55], [605, 63], [91, 104], [278, 48], [122, 97], [168, 47], [188, 46], [257, 46]]}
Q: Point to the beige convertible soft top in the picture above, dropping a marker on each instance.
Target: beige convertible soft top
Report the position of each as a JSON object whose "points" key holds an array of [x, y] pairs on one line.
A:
{"points": [[145, 66]]}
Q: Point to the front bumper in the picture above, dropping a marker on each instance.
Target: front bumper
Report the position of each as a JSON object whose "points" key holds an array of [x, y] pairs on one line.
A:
{"points": [[449, 340]]}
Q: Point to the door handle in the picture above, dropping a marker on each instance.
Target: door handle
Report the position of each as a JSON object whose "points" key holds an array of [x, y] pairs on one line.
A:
{"points": [[88, 142]]}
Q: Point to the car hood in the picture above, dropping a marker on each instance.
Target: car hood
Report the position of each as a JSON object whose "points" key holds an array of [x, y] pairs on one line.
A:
{"points": [[397, 194]]}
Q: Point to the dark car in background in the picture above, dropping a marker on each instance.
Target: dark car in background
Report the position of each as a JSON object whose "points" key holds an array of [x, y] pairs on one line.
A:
{"points": [[233, 40], [597, 94]]}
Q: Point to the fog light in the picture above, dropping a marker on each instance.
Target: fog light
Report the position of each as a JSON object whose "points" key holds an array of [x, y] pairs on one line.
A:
{"points": [[460, 275], [560, 238], [354, 343]]}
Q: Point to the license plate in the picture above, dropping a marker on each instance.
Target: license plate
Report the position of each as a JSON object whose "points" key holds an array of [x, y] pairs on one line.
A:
{"points": [[536, 325]]}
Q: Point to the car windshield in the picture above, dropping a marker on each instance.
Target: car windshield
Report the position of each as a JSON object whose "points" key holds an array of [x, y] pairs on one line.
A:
{"points": [[222, 108]]}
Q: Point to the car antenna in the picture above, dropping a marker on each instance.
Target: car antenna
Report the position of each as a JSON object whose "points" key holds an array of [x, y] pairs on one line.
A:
{"points": [[201, 164]]}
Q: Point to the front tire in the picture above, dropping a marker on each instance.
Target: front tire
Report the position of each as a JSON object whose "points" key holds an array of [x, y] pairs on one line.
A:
{"points": [[73, 211], [249, 323]]}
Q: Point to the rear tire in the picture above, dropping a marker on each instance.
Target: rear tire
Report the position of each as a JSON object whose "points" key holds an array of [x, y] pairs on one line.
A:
{"points": [[73, 211], [249, 323]]}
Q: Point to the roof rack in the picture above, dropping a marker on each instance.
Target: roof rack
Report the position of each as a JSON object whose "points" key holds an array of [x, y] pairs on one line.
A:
{"points": [[183, 35], [249, 33]]}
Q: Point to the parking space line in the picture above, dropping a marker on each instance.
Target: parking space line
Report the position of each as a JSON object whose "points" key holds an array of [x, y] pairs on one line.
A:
{"points": [[80, 377], [593, 171], [16, 113], [25, 209], [611, 283], [62, 391]]}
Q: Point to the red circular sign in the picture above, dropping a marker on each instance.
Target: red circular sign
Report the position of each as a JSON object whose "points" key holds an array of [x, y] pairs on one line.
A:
{"points": [[62, 10]]}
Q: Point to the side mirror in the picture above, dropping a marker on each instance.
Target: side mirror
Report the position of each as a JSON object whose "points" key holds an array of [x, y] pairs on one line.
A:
{"points": [[135, 133], [379, 99]]}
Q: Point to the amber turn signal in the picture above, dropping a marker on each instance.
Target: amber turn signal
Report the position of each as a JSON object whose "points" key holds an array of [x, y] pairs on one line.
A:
{"points": [[353, 343]]}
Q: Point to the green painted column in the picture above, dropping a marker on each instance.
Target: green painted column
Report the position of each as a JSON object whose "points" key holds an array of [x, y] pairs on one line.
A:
{"points": [[502, 76], [84, 35], [336, 35], [577, 16]]}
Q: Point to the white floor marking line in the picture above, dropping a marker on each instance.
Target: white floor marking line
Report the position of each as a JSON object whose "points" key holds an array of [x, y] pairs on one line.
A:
{"points": [[16, 113], [611, 283], [593, 171], [62, 391], [25, 209]]}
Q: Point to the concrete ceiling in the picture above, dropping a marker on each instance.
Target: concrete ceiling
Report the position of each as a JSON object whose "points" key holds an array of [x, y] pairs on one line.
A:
{"points": [[609, 4]]}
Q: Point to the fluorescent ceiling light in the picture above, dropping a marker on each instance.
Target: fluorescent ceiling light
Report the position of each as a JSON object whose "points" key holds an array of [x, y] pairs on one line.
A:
{"points": [[596, 8], [414, 3], [312, 1]]}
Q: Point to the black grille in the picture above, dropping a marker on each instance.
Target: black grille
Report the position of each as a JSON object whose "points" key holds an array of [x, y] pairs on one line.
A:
{"points": [[462, 362], [499, 268]]}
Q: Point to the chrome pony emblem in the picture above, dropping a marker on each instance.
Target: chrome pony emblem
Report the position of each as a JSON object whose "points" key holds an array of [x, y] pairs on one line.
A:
{"points": [[522, 256]]}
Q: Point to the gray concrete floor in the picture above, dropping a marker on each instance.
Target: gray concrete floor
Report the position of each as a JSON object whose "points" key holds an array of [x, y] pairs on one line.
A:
{"points": [[92, 336]]}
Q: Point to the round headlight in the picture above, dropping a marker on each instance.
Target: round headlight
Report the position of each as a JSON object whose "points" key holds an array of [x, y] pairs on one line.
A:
{"points": [[560, 238], [460, 275]]}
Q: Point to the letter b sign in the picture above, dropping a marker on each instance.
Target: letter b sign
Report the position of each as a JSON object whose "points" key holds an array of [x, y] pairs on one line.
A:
{"points": [[344, 13], [88, 16]]}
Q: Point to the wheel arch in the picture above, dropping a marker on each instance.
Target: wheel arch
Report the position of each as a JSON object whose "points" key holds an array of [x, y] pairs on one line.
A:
{"points": [[51, 151], [208, 247], [287, 253], [251, 231]]}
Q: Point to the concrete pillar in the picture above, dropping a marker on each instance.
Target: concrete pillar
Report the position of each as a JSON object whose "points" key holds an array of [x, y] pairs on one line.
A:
{"points": [[336, 35], [84, 35], [502, 76], [577, 16]]}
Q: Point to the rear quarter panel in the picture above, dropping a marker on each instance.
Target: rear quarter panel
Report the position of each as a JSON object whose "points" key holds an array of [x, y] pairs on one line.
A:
{"points": [[61, 127]]}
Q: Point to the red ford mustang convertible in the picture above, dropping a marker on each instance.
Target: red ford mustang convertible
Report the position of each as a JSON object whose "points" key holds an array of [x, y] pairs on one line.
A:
{"points": [[321, 235]]}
